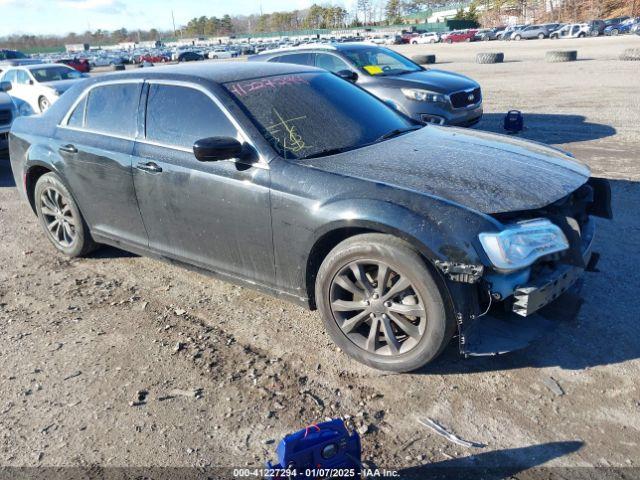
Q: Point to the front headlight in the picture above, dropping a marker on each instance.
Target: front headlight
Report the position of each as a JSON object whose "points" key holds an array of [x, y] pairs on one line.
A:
{"points": [[521, 244], [424, 95]]}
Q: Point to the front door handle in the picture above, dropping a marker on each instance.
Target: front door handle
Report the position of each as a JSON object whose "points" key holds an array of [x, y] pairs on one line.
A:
{"points": [[150, 167], [68, 149]]}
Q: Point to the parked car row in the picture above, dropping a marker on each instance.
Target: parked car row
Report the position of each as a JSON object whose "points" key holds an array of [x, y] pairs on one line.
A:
{"points": [[613, 26]]}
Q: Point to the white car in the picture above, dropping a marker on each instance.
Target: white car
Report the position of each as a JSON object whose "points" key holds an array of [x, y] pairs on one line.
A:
{"points": [[220, 53], [573, 30], [428, 37], [39, 86]]}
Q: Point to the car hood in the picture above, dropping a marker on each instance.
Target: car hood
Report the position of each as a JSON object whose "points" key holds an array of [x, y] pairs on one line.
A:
{"points": [[486, 172], [62, 86], [434, 80]]}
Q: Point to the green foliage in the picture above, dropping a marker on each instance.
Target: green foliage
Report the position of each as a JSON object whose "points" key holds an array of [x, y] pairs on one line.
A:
{"points": [[393, 11]]}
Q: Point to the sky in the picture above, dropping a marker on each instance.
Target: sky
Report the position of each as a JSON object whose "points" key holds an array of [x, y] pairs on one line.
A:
{"points": [[63, 16]]}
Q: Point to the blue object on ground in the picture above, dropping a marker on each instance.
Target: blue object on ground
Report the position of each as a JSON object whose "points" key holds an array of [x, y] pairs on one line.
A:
{"points": [[514, 121], [324, 450]]}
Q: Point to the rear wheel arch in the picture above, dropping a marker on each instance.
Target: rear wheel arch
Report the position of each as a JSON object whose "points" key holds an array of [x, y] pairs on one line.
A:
{"points": [[32, 175]]}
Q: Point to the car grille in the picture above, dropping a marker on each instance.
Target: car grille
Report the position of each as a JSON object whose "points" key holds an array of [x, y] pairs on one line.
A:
{"points": [[5, 117], [466, 98]]}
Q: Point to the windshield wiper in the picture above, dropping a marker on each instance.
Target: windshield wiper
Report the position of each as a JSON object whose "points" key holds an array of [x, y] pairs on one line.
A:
{"points": [[331, 151], [398, 131], [335, 151]]}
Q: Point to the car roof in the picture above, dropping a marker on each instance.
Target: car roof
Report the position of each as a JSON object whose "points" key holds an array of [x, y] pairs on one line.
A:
{"points": [[211, 71], [331, 46], [35, 65]]}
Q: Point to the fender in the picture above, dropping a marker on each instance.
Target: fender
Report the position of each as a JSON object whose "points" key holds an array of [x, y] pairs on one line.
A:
{"points": [[437, 241]]}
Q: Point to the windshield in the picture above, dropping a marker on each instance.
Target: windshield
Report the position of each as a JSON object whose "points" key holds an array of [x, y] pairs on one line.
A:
{"points": [[315, 114], [380, 61], [52, 74]]}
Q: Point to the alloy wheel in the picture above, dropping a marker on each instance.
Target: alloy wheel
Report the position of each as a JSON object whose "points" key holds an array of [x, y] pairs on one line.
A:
{"points": [[377, 308], [58, 217], [44, 104]]}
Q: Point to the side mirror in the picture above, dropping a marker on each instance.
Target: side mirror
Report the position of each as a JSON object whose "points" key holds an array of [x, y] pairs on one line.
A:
{"points": [[213, 149], [5, 86], [348, 75]]}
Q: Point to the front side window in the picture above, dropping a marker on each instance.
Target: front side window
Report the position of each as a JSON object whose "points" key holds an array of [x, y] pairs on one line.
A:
{"points": [[179, 116], [380, 61], [53, 74], [314, 114], [330, 62], [113, 109]]}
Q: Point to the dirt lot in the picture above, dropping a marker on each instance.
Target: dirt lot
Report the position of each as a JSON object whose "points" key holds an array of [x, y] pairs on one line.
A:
{"points": [[227, 370]]}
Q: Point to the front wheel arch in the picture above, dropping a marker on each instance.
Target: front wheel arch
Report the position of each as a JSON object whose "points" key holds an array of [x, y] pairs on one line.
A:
{"points": [[332, 237]]}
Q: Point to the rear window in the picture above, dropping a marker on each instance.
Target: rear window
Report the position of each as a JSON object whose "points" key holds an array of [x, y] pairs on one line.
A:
{"points": [[113, 109], [309, 114]]}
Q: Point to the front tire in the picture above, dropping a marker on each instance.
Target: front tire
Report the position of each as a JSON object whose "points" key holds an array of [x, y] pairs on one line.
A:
{"points": [[381, 304], [60, 217], [43, 104]]}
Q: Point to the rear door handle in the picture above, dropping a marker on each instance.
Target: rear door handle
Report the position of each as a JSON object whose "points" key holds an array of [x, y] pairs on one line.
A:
{"points": [[150, 167], [68, 149]]}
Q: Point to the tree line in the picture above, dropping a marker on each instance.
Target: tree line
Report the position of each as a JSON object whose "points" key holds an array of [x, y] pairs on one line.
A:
{"points": [[364, 13]]}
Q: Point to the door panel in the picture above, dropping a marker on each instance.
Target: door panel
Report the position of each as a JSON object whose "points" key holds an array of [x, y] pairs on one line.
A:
{"points": [[99, 177], [96, 145], [215, 215]]}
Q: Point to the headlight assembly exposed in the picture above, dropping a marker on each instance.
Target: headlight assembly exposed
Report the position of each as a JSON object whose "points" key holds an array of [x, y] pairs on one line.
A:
{"points": [[521, 244], [424, 95]]}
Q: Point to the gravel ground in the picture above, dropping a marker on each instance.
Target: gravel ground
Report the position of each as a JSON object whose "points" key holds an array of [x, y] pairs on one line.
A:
{"points": [[122, 361]]}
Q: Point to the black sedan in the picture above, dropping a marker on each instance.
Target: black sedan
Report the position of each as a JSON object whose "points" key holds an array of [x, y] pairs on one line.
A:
{"points": [[290, 180], [190, 57]]}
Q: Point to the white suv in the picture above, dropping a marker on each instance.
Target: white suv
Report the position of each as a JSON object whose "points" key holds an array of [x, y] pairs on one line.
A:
{"points": [[428, 37]]}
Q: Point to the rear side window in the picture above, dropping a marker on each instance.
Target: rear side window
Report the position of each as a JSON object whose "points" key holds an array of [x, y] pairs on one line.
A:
{"points": [[112, 109], [296, 58], [23, 77], [179, 116], [77, 117]]}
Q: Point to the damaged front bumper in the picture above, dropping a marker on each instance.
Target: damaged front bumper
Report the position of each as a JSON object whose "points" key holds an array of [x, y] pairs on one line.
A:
{"points": [[499, 313], [535, 308]]}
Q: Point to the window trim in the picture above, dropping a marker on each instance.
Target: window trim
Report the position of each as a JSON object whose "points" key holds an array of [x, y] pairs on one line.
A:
{"points": [[64, 123], [142, 136]]}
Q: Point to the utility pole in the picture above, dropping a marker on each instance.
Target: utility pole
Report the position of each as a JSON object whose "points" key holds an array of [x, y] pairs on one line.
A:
{"points": [[173, 20]]}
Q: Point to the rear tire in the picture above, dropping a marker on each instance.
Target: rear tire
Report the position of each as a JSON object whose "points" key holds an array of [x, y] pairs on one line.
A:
{"points": [[362, 286], [60, 217]]}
